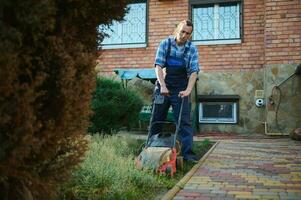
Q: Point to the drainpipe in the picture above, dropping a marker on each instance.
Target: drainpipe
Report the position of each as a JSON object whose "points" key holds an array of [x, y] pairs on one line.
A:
{"points": [[273, 133]]}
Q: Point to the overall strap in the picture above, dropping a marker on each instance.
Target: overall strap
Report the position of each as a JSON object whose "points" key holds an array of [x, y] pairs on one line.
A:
{"points": [[186, 49], [185, 52], [168, 48]]}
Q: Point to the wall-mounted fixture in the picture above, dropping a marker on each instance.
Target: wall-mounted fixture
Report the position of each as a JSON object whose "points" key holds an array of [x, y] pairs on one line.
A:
{"points": [[259, 98], [259, 94], [260, 102]]}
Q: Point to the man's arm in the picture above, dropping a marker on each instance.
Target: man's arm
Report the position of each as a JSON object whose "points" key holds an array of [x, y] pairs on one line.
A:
{"points": [[160, 76], [193, 71], [191, 82]]}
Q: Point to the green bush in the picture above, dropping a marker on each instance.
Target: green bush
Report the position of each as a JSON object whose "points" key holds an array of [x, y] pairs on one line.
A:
{"points": [[114, 107]]}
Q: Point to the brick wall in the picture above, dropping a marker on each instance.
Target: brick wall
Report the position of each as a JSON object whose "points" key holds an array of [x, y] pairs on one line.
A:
{"points": [[162, 20], [282, 17], [245, 56], [283, 31]]}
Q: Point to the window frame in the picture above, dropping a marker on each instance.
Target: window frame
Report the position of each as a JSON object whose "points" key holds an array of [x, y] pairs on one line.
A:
{"points": [[218, 120], [195, 3], [132, 45]]}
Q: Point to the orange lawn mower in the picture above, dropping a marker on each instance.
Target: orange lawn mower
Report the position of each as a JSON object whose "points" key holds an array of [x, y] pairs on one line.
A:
{"points": [[162, 150]]}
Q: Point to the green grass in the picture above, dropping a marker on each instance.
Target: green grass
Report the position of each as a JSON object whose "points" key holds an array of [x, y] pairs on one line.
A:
{"points": [[108, 172]]}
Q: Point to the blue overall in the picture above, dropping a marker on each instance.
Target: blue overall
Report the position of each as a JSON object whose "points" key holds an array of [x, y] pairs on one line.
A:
{"points": [[176, 80]]}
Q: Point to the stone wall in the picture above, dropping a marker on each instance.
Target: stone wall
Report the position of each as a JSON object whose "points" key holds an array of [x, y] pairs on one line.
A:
{"points": [[283, 116], [243, 84], [283, 110]]}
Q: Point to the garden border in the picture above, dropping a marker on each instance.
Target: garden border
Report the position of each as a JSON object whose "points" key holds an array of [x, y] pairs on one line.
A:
{"points": [[173, 191]]}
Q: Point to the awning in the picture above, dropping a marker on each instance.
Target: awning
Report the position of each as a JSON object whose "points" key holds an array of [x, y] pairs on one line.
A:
{"points": [[148, 74]]}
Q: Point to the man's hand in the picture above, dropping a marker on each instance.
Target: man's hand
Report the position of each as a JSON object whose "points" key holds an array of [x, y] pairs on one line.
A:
{"points": [[184, 93], [191, 82]]}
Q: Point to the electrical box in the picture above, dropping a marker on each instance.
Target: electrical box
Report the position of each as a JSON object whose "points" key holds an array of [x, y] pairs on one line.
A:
{"points": [[259, 94]]}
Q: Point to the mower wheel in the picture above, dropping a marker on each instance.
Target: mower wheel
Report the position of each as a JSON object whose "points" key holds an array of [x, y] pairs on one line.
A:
{"points": [[168, 170]]}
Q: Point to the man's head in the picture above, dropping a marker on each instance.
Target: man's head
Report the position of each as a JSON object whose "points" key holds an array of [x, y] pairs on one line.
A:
{"points": [[183, 31]]}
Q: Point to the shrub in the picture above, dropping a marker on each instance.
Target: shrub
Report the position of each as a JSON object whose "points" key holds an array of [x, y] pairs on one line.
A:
{"points": [[47, 57], [113, 106]]}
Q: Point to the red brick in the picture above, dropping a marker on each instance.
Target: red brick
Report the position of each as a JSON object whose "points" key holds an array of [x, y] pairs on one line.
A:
{"points": [[272, 32]]}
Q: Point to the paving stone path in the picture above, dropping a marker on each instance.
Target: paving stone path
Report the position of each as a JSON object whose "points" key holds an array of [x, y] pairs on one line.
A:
{"points": [[247, 169]]}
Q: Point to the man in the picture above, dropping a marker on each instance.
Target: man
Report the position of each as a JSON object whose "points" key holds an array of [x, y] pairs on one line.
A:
{"points": [[176, 69]]}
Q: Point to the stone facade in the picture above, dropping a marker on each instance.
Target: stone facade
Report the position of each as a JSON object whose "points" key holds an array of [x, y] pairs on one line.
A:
{"points": [[283, 116], [243, 84], [283, 96]]}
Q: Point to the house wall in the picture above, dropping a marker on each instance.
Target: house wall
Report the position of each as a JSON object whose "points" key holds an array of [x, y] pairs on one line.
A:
{"points": [[278, 84], [244, 84], [248, 55], [162, 20], [163, 17], [269, 52], [282, 31], [271, 35]]}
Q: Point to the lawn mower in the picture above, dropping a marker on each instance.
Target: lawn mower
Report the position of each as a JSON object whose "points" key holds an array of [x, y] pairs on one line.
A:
{"points": [[162, 150]]}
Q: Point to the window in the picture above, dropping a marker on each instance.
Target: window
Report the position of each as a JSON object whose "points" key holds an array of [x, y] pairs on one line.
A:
{"points": [[218, 112], [219, 109], [131, 32], [216, 22]]}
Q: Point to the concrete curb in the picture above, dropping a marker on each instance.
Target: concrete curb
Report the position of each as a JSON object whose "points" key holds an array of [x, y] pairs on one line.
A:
{"points": [[171, 193]]}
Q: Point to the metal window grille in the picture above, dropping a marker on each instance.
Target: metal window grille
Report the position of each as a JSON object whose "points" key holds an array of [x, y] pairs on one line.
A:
{"points": [[218, 21], [130, 31]]}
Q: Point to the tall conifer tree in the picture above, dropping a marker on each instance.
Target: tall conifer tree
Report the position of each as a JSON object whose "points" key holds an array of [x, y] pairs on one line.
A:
{"points": [[47, 59]]}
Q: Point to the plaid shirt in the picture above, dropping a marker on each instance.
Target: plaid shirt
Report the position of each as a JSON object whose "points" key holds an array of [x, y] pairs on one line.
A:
{"points": [[191, 58]]}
